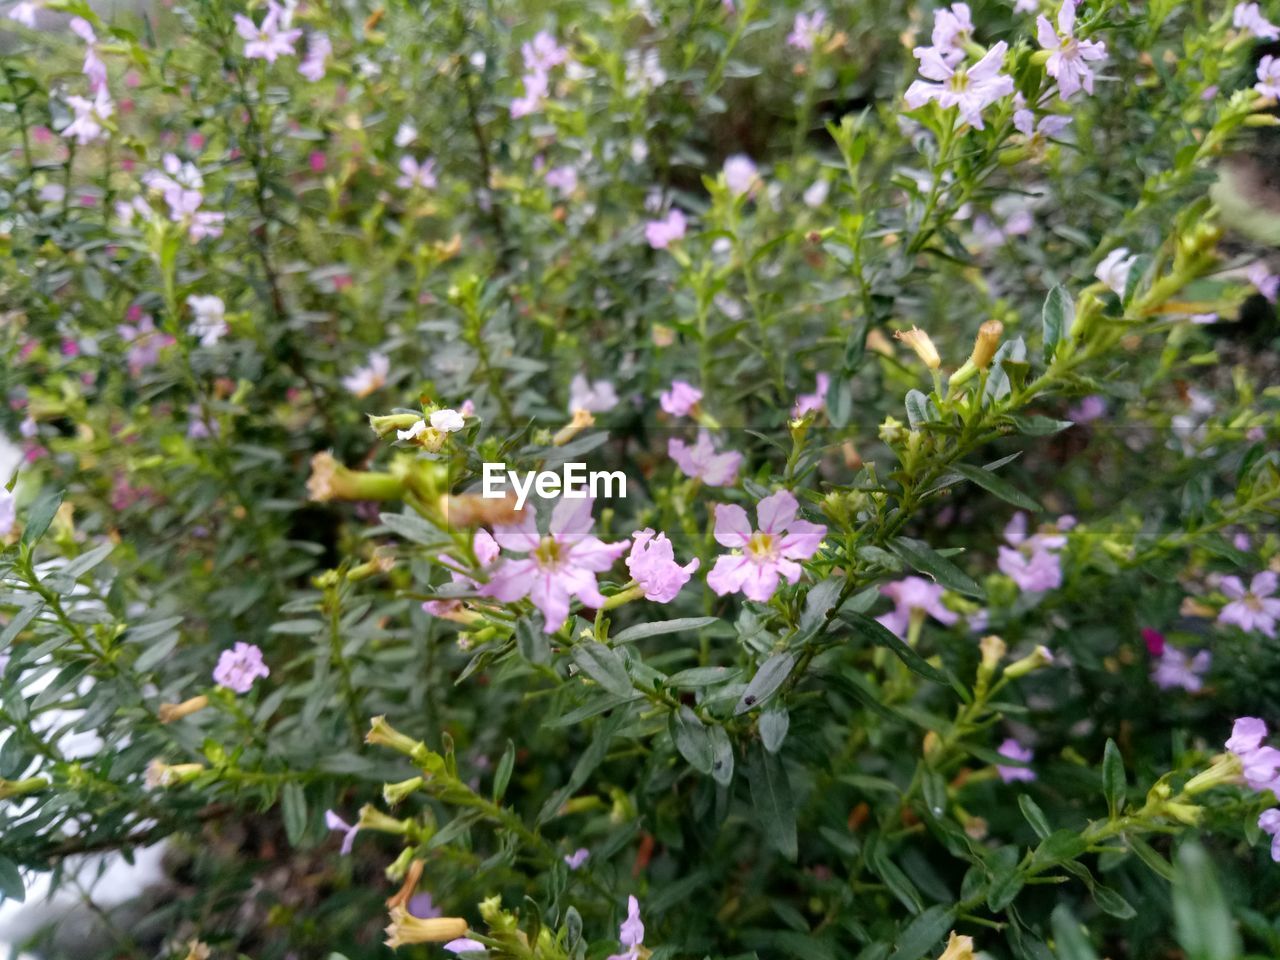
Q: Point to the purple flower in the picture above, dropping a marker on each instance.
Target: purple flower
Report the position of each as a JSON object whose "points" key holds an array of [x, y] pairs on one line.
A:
{"points": [[577, 858], [198, 428], [662, 233], [1012, 749], [486, 551], [335, 822], [1267, 283], [24, 13], [1247, 734], [952, 29], [597, 397], [318, 50], [466, 945], [1092, 407], [740, 174], [813, 402], [90, 116], [1248, 16], [145, 343], [271, 40], [1269, 823], [1254, 609], [702, 462], [238, 667], [766, 554], [563, 179], [1037, 134], [414, 174], [680, 399], [422, 906], [1173, 669], [535, 88], [806, 30], [1268, 77], [1261, 763], [558, 566], [1069, 61], [913, 597], [630, 932], [1031, 561], [94, 69], [542, 53], [970, 90], [653, 566]]}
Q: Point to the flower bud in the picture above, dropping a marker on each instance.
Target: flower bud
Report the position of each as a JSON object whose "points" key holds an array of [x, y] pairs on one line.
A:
{"points": [[18, 788], [919, 341], [891, 430], [381, 563], [993, 651], [394, 793], [405, 928], [371, 818], [1227, 768], [386, 425], [170, 712], [932, 743], [984, 348], [382, 734], [958, 948], [1185, 813], [1039, 657], [161, 774], [330, 480], [581, 420]]}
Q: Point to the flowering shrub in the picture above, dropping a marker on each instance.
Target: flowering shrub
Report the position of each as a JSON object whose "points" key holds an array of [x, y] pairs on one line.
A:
{"points": [[925, 602]]}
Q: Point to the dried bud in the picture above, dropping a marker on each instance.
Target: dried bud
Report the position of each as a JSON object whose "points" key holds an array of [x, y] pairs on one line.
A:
{"points": [[170, 712], [330, 480], [581, 420], [382, 562], [473, 510], [919, 341], [984, 348], [958, 948], [405, 928], [993, 651]]}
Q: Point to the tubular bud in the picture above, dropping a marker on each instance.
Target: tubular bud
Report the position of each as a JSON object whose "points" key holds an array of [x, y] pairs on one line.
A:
{"points": [[330, 480], [919, 341], [405, 928], [170, 712]]}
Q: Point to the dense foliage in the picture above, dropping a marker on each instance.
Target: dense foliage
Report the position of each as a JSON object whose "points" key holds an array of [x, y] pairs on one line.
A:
{"points": [[932, 345]]}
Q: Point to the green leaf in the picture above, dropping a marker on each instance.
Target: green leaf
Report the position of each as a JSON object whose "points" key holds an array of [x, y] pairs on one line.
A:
{"points": [[1071, 941], [819, 603], [999, 384], [995, 484], [773, 724], [502, 775], [1038, 426], [924, 933], [1148, 855], [1114, 783], [882, 636], [1059, 846], [1058, 315], [604, 666], [928, 561], [917, 408], [1202, 919], [532, 640], [11, 886], [767, 680], [411, 527], [19, 623], [1035, 816], [642, 630], [87, 561], [692, 740], [771, 798], [1113, 903], [41, 515], [293, 804], [722, 756]]}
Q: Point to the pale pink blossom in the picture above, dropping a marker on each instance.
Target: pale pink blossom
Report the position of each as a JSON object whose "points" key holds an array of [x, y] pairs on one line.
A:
{"points": [[239, 667], [369, 378], [348, 830], [24, 13], [414, 174], [913, 598], [536, 86], [1248, 16], [90, 116], [653, 566], [764, 556], [702, 462], [273, 39], [1269, 823], [952, 29], [312, 66], [807, 30], [1257, 608], [542, 53], [576, 859], [631, 933], [594, 397], [1173, 668], [813, 402], [740, 174], [1114, 270], [1266, 282], [1031, 562], [1070, 57], [1015, 751], [971, 90], [664, 232], [680, 399], [208, 321], [94, 69], [1269, 77], [564, 180], [486, 551], [447, 421]]}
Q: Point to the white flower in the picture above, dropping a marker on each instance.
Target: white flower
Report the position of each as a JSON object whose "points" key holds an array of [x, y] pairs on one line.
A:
{"points": [[595, 397], [447, 421], [406, 135], [209, 323], [740, 174], [816, 195], [368, 378], [23, 13], [418, 429], [8, 513], [1114, 270]]}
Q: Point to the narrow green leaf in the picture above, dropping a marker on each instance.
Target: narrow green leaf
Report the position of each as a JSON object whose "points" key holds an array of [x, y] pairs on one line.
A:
{"points": [[882, 636], [767, 680], [1035, 816], [1114, 783], [502, 775], [11, 886], [1070, 938], [642, 630], [722, 756], [692, 740], [1058, 316], [992, 483], [1202, 919], [604, 666], [293, 802], [1112, 903], [773, 724], [41, 515], [923, 933], [928, 561], [771, 798]]}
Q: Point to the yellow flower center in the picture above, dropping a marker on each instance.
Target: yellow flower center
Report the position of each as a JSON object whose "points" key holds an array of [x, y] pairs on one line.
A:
{"points": [[760, 546], [548, 552]]}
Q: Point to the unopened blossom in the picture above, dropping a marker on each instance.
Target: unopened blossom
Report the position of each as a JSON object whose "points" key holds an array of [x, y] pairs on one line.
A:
{"points": [[813, 402], [593, 396], [662, 233], [680, 399], [405, 929], [1069, 58], [763, 556], [24, 13], [1114, 270], [90, 116], [369, 378], [557, 566], [1257, 608], [1248, 16], [273, 39], [1031, 562], [415, 174], [1173, 668], [562, 179], [239, 667], [815, 195], [208, 321], [1269, 823], [807, 30], [1269, 77], [1266, 282], [653, 566], [952, 29], [702, 462], [348, 830], [971, 90], [914, 598], [740, 174], [1012, 749], [630, 933], [577, 858], [447, 421], [318, 49], [465, 945]]}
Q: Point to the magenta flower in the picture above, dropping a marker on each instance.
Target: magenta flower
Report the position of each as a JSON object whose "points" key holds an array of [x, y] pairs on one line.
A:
{"points": [[653, 566], [767, 554], [971, 90], [630, 932], [1257, 608], [913, 598], [702, 462], [1012, 749], [662, 233], [271, 40], [1173, 669], [1154, 640], [558, 566], [1268, 77], [680, 399], [1269, 823], [813, 402], [349, 831], [806, 30], [577, 858], [1070, 59], [239, 667], [1248, 16], [597, 397]]}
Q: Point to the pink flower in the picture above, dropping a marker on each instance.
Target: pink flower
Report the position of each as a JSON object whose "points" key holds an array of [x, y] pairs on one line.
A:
{"points": [[662, 233], [1154, 640], [414, 174], [813, 402], [1031, 561], [23, 12], [1248, 16], [145, 343], [1092, 407], [318, 50], [1254, 609], [90, 116], [94, 69], [466, 945], [740, 174], [335, 822], [1269, 823], [1049, 126], [1015, 751], [702, 462], [1266, 282], [542, 53], [970, 90], [535, 88], [271, 40], [653, 566], [597, 397], [1247, 734], [238, 667], [767, 554], [952, 29], [631, 932], [577, 858], [1269, 77], [316, 160], [913, 598], [486, 550], [369, 378], [1173, 669], [680, 399], [562, 179], [1069, 62], [558, 566], [806, 30]]}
